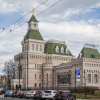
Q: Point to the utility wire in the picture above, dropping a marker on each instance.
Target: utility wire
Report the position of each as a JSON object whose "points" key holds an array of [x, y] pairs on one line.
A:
{"points": [[49, 7], [22, 17], [36, 15]]}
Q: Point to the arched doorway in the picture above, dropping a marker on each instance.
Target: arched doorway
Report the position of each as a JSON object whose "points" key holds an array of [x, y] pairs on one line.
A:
{"points": [[16, 87]]}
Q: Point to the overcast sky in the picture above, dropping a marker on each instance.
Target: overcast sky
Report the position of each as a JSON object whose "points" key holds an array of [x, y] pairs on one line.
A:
{"points": [[74, 21]]}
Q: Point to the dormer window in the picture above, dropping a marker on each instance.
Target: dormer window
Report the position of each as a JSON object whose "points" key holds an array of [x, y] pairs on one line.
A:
{"points": [[36, 47], [62, 50], [67, 51], [57, 49]]}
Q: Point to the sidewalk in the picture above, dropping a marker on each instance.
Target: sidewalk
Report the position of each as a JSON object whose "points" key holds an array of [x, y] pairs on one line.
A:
{"points": [[87, 99]]}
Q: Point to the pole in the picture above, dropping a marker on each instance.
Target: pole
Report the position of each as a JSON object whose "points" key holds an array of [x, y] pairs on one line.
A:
{"points": [[75, 80], [19, 71], [85, 83], [75, 83]]}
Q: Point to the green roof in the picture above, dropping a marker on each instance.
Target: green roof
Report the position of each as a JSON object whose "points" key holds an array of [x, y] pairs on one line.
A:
{"points": [[33, 19], [64, 63], [90, 53], [33, 34], [50, 48]]}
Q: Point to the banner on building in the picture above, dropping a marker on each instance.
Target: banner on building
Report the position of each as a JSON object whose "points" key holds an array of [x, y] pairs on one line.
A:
{"points": [[77, 75]]}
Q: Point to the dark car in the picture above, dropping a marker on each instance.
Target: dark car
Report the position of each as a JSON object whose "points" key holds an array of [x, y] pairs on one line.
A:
{"points": [[22, 94], [39, 94], [64, 95], [3, 91]]}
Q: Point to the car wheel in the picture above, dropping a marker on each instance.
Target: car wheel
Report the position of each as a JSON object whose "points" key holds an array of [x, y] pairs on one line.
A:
{"points": [[66, 98], [54, 98]]}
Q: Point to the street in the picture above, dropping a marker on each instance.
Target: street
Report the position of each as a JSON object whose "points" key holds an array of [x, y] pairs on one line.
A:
{"points": [[9, 98]]}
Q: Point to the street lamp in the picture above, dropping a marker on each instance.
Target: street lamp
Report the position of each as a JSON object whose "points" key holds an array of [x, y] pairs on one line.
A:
{"points": [[20, 67]]}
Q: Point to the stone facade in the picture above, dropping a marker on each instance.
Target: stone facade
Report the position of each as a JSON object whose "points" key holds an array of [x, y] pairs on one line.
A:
{"points": [[89, 72], [37, 63], [50, 65]]}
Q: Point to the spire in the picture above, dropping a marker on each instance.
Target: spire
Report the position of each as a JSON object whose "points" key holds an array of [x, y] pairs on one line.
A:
{"points": [[33, 19], [33, 31]]}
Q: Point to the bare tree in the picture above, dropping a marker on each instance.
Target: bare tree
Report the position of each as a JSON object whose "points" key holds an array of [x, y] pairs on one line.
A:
{"points": [[9, 71]]}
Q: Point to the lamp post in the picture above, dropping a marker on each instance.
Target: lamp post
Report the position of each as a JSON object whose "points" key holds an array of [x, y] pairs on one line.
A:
{"points": [[19, 68]]}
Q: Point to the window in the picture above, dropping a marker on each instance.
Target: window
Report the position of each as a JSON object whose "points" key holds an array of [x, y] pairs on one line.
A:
{"points": [[33, 47], [89, 78], [95, 78], [93, 56], [39, 84], [40, 47], [57, 49], [35, 84], [34, 24], [39, 76], [50, 75], [27, 47], [67, 51], [35, 76], [36, 47], [62, 50], [23, 48]]}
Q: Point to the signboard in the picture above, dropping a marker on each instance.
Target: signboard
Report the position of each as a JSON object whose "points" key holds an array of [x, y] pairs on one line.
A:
{"points": [[77, 75], [77, 72]]}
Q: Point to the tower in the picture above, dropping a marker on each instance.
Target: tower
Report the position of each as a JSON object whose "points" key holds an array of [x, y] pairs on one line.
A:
{"points": [[33, 41]]}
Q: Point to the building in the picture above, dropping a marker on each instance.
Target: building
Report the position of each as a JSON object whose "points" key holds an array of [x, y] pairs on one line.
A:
{"points": [[88, 65], [3, 81], [50, 64], [38, 58]]}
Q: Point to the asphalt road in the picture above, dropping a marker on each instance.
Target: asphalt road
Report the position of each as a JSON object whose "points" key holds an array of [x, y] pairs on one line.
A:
{"points": [[9, 98]]}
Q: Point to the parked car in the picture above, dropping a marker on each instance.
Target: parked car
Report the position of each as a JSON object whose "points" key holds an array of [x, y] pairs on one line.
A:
{"points": [[30, 94], [39, 95], [22, 94], [3, 91], [15, 94], [49, 94], [64, 95], [8, 93]]}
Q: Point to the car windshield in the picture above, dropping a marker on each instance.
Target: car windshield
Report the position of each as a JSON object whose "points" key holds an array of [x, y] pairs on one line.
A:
{"points": [[15, 92], [48, 91], [38, 92], [31, 92], [20, 91], [61, 92], [8, 91]]}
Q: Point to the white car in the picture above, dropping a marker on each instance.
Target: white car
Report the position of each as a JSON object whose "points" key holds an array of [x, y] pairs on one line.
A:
{"points": [[49, 94], [30, 94]]}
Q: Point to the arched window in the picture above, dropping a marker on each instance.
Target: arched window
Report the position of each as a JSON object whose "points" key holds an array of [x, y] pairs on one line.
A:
{"points": [[23, 48], [40, 47], [89, 78], [67, 51], [57, 49], [27, 47], [95, 78], [62, 50], [36, 47], [32, 47]]}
